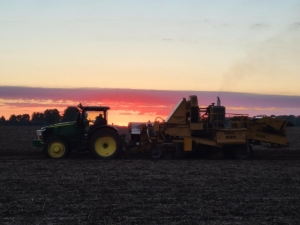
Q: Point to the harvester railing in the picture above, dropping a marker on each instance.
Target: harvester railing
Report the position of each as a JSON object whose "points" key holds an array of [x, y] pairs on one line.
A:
{"points": [[231, 120]]}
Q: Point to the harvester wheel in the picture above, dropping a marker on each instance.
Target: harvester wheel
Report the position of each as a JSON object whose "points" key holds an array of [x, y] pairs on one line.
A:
{"points": [[241, 152], [105, 144], [56, 148], [156, 153]]}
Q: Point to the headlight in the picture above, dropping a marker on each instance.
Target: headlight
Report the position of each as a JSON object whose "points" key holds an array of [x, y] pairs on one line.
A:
{"points": [[40, 135]]}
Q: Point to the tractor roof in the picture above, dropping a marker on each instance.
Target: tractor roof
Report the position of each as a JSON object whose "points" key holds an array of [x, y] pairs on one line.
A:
{"points": [[93, 108]]}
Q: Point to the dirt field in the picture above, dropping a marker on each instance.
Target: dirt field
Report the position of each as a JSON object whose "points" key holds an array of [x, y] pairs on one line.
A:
{"points": [[82, 190]]}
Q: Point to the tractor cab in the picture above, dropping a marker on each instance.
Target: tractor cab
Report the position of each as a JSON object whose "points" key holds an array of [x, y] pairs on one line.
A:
{"points": [[89, 118]]}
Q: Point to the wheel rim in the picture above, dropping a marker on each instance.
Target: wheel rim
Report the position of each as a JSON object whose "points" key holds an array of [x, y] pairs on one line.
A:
{"points": [[105, 146], [56, 149]]}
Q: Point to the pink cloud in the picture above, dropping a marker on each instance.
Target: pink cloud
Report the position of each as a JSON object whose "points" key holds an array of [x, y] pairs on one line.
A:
{"points": [[133, 102]]}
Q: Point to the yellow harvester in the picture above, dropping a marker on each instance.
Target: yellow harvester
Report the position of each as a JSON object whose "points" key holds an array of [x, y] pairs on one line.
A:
{"points": [[190, 128]]}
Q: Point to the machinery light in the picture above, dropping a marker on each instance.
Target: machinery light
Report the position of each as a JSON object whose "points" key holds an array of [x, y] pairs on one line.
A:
{"points": [[39, 134]]}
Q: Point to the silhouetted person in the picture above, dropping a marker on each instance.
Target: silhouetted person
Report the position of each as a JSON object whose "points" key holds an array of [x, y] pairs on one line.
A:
{"points": [[99, 120]]}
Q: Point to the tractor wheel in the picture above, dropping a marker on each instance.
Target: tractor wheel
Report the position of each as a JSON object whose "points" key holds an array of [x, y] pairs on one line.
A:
{"points": [[56, 148], [105, 144], [241, 152]]}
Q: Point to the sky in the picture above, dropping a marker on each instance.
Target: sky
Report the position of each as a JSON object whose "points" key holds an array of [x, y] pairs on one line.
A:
{"points": [[131, 55]]}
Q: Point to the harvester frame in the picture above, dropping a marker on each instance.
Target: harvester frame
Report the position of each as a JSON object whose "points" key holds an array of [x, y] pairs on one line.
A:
{"points": [[192, 128]]}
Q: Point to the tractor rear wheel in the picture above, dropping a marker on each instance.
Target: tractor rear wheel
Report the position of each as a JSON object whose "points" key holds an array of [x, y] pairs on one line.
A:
{"points": [[105, 144], [56, 148]]}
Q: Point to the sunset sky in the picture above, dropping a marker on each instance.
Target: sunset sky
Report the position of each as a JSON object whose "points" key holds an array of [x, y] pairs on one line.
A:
{"points": [[141, 57]]}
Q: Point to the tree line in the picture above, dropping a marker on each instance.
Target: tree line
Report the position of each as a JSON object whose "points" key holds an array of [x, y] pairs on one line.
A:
{"points": [[295, 120], [49, 116]]}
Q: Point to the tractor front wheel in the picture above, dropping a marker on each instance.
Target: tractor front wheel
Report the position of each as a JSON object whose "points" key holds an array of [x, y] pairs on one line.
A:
{"points": [[56, 148], [105, 144]]}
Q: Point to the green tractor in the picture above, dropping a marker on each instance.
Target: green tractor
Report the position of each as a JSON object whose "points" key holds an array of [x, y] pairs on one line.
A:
{"points": [[90, 132]]}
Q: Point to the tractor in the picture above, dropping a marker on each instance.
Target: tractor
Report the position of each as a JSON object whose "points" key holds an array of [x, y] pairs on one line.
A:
{"points": [[90, 132]]}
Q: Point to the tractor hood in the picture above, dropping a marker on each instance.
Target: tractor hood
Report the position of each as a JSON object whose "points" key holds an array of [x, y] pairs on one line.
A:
{"points": [[60, 125]]}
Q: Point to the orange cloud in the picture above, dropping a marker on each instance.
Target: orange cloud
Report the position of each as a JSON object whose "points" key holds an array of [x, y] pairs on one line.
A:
{"points": [[129, 105]]}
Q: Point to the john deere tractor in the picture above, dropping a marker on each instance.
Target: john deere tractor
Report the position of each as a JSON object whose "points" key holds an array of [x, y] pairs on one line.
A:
{"points": [[90, 132]]}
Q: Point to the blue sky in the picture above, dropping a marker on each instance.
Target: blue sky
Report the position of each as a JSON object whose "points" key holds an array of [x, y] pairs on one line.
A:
{"points": [[130, 40], [221, 46]]}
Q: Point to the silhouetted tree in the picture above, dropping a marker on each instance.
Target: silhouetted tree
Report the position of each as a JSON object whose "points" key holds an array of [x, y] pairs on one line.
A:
{"points": [[292, 119], [25, 118], [2, 119], [13, 118], [70, 114], [22, 118], [37, 117], [298, 121], [52, 116], [18, 118]]}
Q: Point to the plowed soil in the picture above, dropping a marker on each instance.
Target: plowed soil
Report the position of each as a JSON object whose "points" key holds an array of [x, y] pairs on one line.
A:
{"points": [[82, 190]]}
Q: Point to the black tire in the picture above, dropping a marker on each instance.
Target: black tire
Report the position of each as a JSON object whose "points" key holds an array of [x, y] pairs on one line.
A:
{"points": [[105, 144], [241, 152], [156, 153], [56, 148]]}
